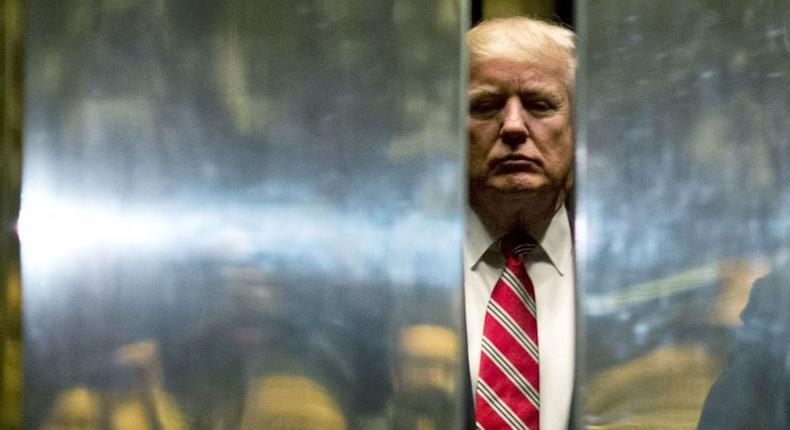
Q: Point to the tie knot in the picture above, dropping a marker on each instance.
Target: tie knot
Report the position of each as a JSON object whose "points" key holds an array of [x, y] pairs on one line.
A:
{"points": [[516, 244]]}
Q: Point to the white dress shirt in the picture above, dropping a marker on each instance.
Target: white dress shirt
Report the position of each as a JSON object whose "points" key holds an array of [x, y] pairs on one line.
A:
{"points": [[550, 267]]}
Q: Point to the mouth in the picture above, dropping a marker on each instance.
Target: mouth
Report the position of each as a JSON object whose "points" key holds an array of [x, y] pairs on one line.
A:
{"points": [[516, 164]]}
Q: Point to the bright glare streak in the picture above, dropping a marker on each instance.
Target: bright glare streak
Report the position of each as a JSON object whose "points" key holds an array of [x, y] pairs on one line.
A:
{"points": [[59, 233], [52, 229]]}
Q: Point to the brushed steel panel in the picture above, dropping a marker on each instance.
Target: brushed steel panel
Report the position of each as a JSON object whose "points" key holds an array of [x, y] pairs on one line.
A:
{"points": [[243, 214], [683, 202]]}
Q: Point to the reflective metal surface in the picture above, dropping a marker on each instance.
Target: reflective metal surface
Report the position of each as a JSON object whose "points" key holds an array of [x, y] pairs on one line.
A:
{"points": [[683, 202], [10, 163], [242, 214]]}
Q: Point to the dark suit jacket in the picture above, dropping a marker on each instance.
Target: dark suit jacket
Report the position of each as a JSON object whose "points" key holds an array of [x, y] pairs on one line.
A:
{"points": [[752, 393]]}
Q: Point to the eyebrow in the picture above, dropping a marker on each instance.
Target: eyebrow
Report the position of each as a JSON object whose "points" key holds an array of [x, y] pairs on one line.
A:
{"points": [[488, 89], [481, 90], [543, 89]]}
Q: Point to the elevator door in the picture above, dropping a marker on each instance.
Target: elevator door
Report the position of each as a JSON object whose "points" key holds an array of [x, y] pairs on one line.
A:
{"points": [[242, 214], [683, 204]]}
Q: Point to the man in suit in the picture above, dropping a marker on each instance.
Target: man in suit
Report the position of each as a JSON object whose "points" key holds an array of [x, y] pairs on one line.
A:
{"points": [[520, 172]]}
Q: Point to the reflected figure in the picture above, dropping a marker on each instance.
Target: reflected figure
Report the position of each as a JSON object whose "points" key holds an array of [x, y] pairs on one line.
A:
{"points": [[753, 391], [82, 408], [667, 377], [77, 408], [141, 405], [146, 405], [248, 365], [426, 377]]}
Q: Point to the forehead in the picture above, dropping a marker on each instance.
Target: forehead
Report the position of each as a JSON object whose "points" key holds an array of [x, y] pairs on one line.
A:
{"points": [[504, 75]]}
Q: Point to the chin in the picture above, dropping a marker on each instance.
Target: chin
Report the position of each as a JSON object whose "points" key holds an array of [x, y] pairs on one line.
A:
{"points": [[518, 187], [512, 188]]}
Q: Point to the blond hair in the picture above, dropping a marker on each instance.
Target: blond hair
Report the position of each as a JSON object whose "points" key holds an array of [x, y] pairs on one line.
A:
{"points": [[525, 39]]}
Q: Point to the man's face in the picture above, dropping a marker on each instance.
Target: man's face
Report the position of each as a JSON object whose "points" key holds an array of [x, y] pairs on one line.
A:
{"points": [[520, 128]]}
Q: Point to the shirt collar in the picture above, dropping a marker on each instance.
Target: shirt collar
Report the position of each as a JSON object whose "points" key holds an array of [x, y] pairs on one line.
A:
{"points": [[555, 241]]}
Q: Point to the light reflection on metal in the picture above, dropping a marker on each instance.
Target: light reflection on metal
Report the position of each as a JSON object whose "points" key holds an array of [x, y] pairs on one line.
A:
{"points": [[229, 203], [54, 230], [683, 173]]}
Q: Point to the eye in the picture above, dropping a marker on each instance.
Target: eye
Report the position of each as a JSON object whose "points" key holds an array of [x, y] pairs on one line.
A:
{"points": [[540, 106], [484, 107]]}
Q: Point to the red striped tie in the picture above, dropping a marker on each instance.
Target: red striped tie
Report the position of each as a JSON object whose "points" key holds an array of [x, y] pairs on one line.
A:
{"points": [[508, 388]]}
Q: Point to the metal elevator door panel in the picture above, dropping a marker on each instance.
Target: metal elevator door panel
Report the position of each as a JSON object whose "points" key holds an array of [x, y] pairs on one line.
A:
{"points": [[243, 214], [683, 204]]}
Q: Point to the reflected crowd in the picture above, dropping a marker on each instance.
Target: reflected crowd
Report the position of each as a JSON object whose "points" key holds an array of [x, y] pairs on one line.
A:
{"points": [[425, 376]]}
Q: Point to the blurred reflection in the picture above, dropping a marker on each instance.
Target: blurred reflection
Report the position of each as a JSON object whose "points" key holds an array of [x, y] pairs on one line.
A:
{"points": [[754, 390], [143, 404], [317, 331], [673, 377], [227, 205], [290, 402], [426, 377], [75, 409], [683, 204]]}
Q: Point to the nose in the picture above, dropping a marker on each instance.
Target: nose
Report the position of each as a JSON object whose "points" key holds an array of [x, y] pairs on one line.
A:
{"points": [[514, 127]]}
